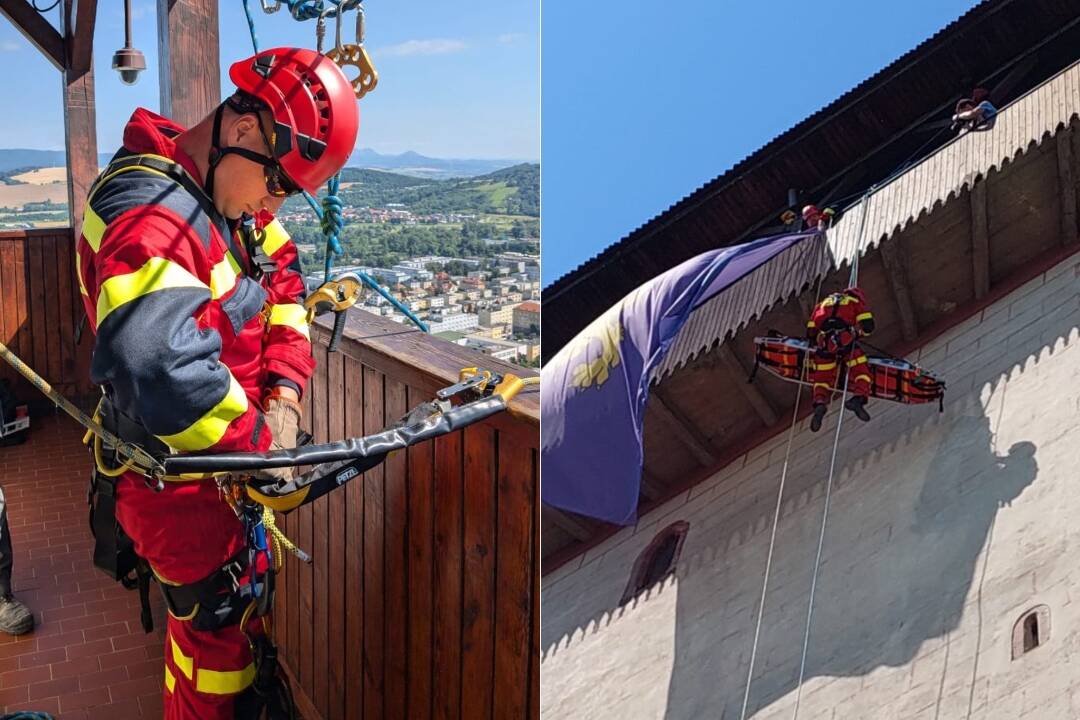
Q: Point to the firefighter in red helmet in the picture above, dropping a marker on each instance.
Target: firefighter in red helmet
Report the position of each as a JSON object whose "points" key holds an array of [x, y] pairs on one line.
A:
{"points": [[202, 344], [833, 330], [816, 219]]}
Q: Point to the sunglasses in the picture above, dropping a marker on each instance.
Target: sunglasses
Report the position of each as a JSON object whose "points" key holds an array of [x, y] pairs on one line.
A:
{"points": [[278, 183]]}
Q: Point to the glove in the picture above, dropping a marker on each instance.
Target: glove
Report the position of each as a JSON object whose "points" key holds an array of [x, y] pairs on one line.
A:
{"points": [[283, 419]]}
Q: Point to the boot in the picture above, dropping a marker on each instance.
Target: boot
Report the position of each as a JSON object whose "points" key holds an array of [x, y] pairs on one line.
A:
{"points": [[15, 618], [857, 405], [819, 415]]}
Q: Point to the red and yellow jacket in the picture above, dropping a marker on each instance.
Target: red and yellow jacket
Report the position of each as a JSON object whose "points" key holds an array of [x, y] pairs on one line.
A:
{"points": [[187, 338], [840, 311]]}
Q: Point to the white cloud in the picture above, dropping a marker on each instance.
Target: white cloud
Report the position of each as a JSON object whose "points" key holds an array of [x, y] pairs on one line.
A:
{"points": [[510, 38], [423, 47], [10, 46]]}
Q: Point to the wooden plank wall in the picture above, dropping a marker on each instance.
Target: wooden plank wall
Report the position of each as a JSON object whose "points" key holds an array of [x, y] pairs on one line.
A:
{"points": [[40, 307], [423, 598]]}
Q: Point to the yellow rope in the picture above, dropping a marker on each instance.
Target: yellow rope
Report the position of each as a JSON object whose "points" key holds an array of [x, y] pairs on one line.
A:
{"points": [[280, 539]]}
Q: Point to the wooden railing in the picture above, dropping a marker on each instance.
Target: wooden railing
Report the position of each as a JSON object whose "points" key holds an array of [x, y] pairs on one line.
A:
{"points": [[422, 600], [40, 307], [423, 597]]}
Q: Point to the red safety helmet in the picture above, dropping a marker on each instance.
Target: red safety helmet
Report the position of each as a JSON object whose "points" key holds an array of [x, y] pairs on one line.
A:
{"points": [[856, 293], [316, 117]]}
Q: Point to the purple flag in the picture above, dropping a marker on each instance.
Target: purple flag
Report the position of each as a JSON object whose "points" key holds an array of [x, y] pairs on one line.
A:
{"points": [[594, 390]]}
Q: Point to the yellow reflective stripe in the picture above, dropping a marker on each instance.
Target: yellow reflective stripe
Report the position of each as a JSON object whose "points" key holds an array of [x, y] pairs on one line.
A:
{"points": [[864, 316], [824, 366], [78, 274], [223, 276], [185, 664], [93, 227], [144, 168], [156, 274], [811, 324], [209, 429], [822, 385], [859, 361], [274, 236], [291, 315], [225, 682], [170, 680], [864, 376]]}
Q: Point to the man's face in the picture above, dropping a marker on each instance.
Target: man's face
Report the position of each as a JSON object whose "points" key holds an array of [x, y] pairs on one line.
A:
{"points": [[239, 183]]}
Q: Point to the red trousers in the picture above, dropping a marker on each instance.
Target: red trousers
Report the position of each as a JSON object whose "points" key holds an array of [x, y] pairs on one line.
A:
{"points": [[186, 532], [825, 370]]}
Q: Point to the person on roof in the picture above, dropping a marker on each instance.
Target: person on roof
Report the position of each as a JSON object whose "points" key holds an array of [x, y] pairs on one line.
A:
{"points": [[194, 294], [815, 219], [976, 112], [833, 330]]}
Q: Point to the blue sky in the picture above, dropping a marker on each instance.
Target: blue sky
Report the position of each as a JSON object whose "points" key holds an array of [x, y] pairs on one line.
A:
{"points": [[456, 79], [644, 102]]}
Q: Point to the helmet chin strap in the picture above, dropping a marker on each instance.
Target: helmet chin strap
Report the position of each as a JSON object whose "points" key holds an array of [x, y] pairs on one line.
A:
{"points": [[217, 152]]}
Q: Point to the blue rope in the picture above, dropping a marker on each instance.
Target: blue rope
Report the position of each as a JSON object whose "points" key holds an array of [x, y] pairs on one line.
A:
{"points": [[251, 27], [330, 214], [312, 9], [26, 715]]}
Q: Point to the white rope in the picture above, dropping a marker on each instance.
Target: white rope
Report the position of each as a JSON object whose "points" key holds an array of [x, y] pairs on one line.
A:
{"points": [[772, 546], [852, 281], [776, 513]]}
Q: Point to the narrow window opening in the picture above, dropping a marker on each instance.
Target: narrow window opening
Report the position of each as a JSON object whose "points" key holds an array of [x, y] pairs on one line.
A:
{"points": [[1031, 632], [657, 561]]}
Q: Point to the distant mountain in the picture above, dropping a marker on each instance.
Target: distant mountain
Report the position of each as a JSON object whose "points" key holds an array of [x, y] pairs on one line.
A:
{"points": [[509, 191], [417, 165], [11, 159], [408, 163]]}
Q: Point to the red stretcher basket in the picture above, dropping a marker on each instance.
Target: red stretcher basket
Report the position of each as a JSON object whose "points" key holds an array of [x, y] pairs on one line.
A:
{"points": [[892, 379]]}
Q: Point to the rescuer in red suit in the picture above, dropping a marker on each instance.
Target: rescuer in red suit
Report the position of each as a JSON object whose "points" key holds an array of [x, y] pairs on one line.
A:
{"points": [[834, 328], [202, 344]]}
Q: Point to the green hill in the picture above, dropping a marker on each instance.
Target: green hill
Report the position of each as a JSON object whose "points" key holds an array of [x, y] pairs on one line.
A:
{"points": [[510, 191]]}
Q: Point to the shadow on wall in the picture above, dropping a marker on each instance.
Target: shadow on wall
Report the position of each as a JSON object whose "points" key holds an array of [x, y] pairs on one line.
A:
{"points": [[901, 554]]}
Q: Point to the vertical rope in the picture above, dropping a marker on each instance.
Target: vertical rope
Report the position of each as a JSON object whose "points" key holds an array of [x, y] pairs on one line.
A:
{"points": [[779, 506], [852, 281]]}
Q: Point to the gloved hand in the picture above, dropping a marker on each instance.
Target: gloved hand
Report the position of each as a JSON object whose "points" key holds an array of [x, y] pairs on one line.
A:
{"points": [[283, 419]]}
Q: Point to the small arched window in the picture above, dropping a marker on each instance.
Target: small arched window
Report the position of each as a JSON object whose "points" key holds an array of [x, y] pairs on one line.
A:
{"points": [[657, 561], [1031, 630]]}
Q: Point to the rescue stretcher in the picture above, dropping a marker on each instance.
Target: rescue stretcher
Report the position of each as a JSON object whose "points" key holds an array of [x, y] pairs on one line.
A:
{"points": [[892, 378]]}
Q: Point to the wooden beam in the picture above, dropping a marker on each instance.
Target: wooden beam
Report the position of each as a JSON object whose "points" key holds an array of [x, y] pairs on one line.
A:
{"points": [[1066, 186], [574, 526], [81, 46], [652, 487], [894, 258], [685, 430], [980, 239], [36, 29], [739, 374], [188, 62], [80, 132]]}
